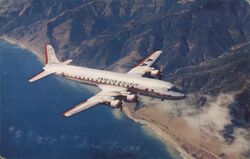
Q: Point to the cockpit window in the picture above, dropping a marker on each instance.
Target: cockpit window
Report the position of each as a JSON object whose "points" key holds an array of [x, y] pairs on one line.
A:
{"points": [[175, 89]]}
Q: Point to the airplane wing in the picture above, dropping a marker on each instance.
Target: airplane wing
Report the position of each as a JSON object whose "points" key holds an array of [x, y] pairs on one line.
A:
{"points": [[143, 66], [107, 94], [41, 75]]}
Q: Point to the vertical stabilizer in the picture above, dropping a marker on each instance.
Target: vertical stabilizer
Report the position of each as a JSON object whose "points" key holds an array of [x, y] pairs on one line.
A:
{"points": [[50, 56]]}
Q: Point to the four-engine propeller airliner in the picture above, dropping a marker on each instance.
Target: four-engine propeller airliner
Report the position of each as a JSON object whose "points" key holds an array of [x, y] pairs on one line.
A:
{"points": [[115, 87]]}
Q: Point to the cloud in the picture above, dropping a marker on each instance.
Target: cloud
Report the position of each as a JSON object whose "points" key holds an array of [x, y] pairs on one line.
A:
{"points": [[185, 1], [213, 117], [18, 134], [210, 118], [39, 139], [77, 141], [12, 129], [1, 157], [248, 1], [241, 144]]}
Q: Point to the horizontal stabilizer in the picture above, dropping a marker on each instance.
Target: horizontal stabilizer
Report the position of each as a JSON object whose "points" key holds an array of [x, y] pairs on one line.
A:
{"points": [[40, 75], [67, 61]]}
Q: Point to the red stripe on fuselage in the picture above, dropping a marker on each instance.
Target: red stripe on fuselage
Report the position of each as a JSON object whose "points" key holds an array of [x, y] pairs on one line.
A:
{"points": [[131, 89]]}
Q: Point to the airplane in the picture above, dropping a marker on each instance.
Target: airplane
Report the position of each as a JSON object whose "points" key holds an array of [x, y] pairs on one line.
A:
{"points": [[115, 87]]}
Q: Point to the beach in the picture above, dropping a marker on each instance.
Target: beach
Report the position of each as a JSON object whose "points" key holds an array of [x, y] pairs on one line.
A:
{"points": [[185, 148]]}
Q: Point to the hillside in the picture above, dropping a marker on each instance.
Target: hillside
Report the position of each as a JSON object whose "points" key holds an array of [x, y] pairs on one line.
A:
{"points": [[205, 43]]}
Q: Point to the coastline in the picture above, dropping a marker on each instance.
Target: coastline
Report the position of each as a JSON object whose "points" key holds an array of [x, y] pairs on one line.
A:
{"points": [[157, 129], [186, 149], [22, 45], [39, 56], [167, 140]]}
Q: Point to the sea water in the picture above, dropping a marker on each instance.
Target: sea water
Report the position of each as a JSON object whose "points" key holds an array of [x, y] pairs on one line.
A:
{"points": [[33, 127]]}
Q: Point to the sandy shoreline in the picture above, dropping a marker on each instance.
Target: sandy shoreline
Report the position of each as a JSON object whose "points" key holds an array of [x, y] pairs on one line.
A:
{"points": [[22, 45], [186, 149], [159, 132]]}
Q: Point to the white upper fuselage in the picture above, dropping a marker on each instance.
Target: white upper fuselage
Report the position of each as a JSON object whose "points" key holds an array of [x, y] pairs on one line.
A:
{"points": [[115, 87], [134, 83]]}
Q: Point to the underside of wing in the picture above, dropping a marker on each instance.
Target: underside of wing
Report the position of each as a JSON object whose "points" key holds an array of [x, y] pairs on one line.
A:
{"points": [[107, 95], [82, 106], [146, 64]]}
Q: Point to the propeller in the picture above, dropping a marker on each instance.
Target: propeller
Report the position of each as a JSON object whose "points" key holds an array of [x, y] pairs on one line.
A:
{"points": [[137, 104], [121, 108], [161, 70]]}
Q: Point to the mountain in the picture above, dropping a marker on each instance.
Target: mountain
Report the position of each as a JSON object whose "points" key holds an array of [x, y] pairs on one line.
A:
{"points": [[205, 43], [188, 32], [202, 41]]}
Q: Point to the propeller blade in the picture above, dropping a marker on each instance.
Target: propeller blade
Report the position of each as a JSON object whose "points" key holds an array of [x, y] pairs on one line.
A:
{"points": [[137, 105]]}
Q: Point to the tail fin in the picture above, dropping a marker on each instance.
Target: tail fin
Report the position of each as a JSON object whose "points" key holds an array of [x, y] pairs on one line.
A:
{"points": [[50, 56]]}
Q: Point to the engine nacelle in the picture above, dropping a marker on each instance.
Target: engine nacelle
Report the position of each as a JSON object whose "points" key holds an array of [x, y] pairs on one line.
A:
{"points": [[155, 73], [131, 98], [116, 103]]}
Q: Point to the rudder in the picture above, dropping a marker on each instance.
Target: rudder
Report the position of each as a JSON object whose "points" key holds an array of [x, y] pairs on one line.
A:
{"points": [[50, 56]]}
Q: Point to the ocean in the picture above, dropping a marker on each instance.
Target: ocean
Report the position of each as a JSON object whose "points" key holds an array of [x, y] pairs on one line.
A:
{"points": [[33, 127]]}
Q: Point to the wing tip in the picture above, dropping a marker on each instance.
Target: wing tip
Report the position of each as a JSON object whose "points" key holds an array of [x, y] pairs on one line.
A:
{"points": [[159, 51], [33, 79], [154, 52], [67, 114]]}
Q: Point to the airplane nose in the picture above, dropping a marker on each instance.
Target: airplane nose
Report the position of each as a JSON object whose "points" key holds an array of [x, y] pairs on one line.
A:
{"points": [[178, 93], [184, 95], [181, 94]]}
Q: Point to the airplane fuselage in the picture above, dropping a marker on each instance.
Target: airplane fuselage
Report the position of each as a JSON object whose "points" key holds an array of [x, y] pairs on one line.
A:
{"points": [[115, 87], [133, 83]]}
